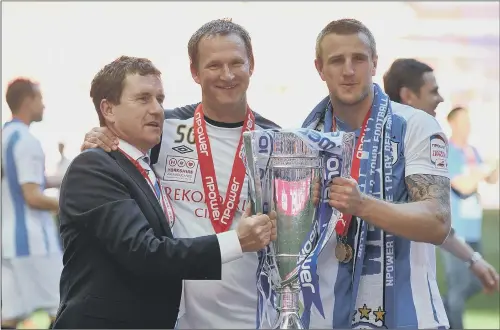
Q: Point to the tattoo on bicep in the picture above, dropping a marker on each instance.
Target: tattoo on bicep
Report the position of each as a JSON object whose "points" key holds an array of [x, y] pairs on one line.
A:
{"points": [[428, 187]]}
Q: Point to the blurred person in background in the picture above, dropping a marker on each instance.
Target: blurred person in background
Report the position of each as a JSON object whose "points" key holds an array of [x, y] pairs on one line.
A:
{"points": [[467, 170], [413, 83], [31, 254], [222, 63], [63, 163], [55, 179], [409, 81], [61, 168]]}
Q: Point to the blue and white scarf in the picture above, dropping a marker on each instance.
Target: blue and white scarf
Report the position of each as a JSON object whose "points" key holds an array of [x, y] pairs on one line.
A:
{"points": [[372, 302]]}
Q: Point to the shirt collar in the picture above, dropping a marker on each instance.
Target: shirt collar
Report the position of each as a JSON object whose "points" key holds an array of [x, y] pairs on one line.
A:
{"points": [[15, 121], [130, 150]]}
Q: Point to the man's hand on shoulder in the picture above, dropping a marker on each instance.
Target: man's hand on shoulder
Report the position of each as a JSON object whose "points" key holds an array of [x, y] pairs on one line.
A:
{"points": [[100, 137], [257, 231]]}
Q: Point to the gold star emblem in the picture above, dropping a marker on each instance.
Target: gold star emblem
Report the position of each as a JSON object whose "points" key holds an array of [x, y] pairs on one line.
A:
{"points": [[365, 312], [379, 314]]}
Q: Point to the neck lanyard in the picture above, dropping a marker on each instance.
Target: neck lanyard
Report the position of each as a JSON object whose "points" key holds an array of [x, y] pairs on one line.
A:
{"points": [[164, 202], [221, 215]]}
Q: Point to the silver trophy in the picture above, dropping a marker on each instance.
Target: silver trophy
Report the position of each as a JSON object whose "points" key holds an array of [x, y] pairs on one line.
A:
{"points": [[284, 168]]}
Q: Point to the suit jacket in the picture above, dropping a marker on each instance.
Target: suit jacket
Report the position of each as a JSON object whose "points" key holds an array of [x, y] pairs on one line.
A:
{"points": [[122, 267]]}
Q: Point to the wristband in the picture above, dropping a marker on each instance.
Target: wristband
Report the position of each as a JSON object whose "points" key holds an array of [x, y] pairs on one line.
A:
{"points": [[476, 256]]}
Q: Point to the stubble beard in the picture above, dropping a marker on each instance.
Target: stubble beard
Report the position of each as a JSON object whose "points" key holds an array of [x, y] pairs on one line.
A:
{"points": [[362, 96]]}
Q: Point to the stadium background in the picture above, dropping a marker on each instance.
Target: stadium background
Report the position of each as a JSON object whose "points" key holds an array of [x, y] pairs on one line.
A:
{"points": [[62, 45]]}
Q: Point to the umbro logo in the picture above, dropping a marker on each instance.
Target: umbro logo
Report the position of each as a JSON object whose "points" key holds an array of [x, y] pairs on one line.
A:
{"points": [[182, 149]]}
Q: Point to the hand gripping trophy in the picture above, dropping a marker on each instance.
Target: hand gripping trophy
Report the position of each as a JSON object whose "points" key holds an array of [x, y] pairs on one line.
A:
{"points": [[284, 167]]}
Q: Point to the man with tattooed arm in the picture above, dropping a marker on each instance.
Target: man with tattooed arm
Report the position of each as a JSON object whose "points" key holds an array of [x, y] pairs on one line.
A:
{"points": [[395, 203]]}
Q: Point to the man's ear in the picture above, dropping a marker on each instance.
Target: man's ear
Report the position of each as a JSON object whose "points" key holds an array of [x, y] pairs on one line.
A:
{"points": [[107, 111], [194, 72], [318, 63], [406, 95]]}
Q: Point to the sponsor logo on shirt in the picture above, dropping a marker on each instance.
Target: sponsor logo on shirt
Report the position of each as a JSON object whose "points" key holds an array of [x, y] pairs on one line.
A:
{"points": [[438, 151], [395, 152], [181, 169], [182, 149], [191, 196]]}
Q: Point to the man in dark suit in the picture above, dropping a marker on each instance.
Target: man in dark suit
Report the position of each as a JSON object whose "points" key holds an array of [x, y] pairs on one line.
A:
{"points": [[122, 266]]}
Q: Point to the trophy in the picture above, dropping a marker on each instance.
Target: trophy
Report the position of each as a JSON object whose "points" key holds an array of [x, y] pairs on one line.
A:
{"points": [[284, 168]]}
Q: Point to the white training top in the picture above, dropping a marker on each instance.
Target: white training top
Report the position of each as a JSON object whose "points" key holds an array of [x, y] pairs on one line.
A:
{"points": [[25, 231]]}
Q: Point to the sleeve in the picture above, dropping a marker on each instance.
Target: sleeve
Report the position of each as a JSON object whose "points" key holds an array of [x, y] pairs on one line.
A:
{"points": [[229, 244], [95, 200], [30, 161], [426, 146]]}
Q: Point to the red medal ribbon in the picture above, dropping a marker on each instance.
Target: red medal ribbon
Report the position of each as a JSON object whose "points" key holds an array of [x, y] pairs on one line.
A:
{"points": [[221, 216], [165, 202], [342, 226]]}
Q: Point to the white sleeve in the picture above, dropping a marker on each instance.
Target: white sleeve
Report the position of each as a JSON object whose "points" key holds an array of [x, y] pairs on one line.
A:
{"points": [[30, 162], [426, 146], [229, 245]]}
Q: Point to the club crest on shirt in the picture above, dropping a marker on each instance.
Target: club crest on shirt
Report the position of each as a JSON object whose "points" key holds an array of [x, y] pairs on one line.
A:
{"points": [[438, 151], [395, 151]]}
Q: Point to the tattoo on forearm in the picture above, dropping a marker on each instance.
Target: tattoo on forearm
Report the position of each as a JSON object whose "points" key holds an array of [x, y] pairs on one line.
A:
{"points": [[422, 187]]}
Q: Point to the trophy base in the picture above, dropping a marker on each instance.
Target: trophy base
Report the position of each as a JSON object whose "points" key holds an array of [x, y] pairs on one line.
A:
{"points": [[288, 310]]}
